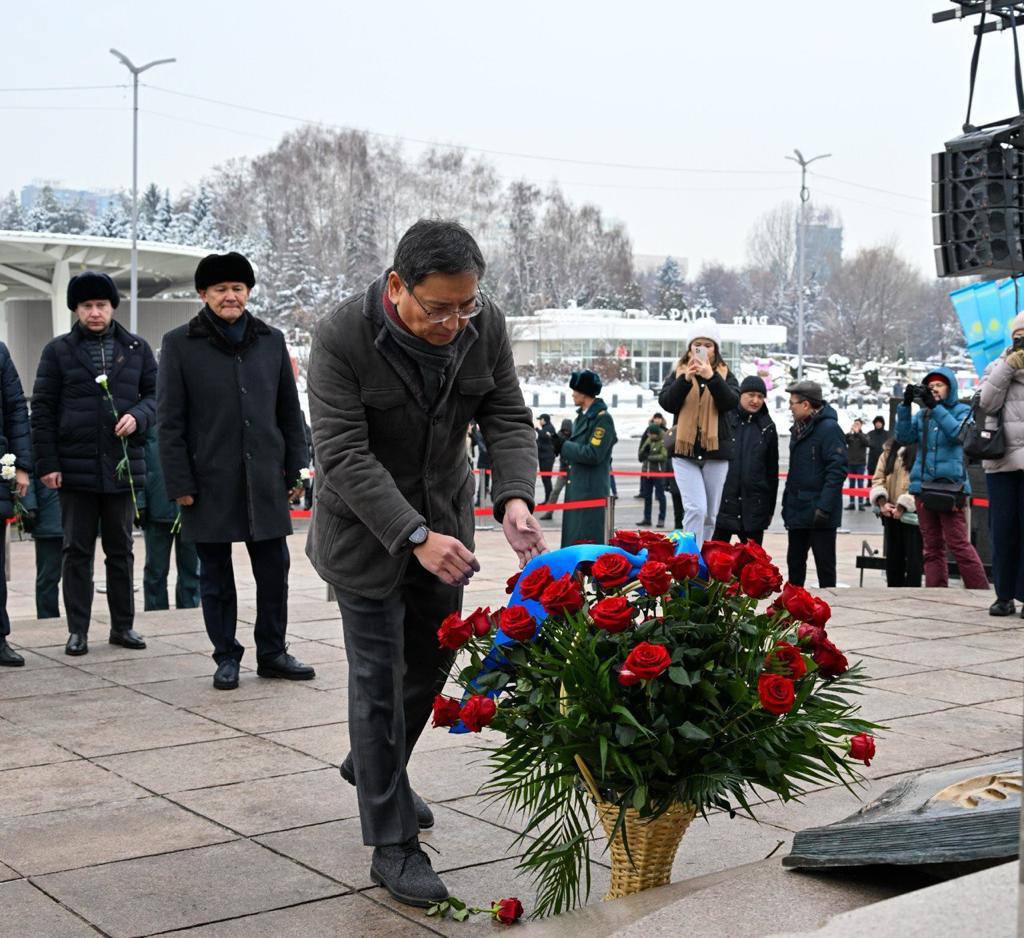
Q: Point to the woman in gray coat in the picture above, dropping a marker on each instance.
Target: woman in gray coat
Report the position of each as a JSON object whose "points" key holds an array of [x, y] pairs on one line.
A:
{"points": [[1002, 390]]}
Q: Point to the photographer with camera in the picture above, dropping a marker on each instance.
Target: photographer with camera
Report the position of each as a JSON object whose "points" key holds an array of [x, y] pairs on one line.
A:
{"points": [[938, 479], [1002, 392]]}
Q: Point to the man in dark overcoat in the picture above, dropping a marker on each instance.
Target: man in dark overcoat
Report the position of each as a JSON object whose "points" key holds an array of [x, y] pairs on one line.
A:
{"points": [[396, 374], [232, 449], [93, 400], [589, 454]]}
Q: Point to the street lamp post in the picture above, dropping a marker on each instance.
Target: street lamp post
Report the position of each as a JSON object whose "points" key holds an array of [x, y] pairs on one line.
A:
{"points": [[801, 224], [136, 70]]}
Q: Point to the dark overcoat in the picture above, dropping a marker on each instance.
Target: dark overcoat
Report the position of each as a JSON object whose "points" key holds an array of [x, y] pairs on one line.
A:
{"points": [[230, 430], [752, 485], [73, 421], [15, 437], [588, 451], [817, 471], [389, 461]]}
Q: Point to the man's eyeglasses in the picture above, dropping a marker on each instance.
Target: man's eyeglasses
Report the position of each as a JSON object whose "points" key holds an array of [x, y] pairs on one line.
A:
{"points": [[441, 314]]}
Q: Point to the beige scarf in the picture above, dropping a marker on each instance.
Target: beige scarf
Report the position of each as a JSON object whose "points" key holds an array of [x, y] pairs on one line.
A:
{"points": [[698, 413]]}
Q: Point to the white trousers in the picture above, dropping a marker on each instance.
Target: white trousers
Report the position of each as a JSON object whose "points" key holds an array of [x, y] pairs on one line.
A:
{"points": [[700, 485]]}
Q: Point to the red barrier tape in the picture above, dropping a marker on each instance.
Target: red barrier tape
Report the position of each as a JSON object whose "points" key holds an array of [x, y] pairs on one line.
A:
{"points": [[636, 473], [564, 506]]}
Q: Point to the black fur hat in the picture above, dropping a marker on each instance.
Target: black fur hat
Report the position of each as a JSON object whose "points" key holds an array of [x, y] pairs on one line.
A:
{"points": [[223, 268], [586, 382], [91, 285]]}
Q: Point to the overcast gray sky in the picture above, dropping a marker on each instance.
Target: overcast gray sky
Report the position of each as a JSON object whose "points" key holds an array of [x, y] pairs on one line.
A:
{"points": [[683, 86]]}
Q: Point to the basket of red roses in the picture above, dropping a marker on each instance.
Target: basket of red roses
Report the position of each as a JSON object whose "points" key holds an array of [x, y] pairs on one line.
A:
{"points": [[637, 687]]}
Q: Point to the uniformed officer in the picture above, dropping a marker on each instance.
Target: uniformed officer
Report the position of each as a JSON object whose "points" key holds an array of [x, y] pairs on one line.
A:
{"points": [[589, 455]]}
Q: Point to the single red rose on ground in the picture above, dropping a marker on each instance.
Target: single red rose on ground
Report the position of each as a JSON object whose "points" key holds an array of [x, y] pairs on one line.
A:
{"points": [[510, 583], [830, 660], [684, 566], [507, 911], [611, 570], [628, 678], [862, 748], [480, 620], [454, 631], [798, 602], [786, 659], [477, 712], [658, 546], [758, 579], [629, 541], [776, 693], [648, 661], [517, 623], [446, 711], [562, 597], [749, 552], [534, 583], [613, 614], [655, 577], [719, 558], [822, 613], [810, 635]]}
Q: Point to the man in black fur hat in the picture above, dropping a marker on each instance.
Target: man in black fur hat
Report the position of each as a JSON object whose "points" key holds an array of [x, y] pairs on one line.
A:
{"points": [[93, 400], [232, 449]]}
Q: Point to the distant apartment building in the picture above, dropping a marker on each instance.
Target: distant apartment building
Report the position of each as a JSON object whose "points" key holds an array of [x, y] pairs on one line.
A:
{"points": [[93, 202], [823, 251]]}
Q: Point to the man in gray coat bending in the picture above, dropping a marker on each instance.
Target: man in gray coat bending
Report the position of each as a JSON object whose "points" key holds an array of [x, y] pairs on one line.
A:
{"points": [[396, 374]]}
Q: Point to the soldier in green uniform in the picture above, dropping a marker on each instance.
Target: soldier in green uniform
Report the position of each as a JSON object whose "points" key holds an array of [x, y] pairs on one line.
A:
{"points": [[589, 455]]}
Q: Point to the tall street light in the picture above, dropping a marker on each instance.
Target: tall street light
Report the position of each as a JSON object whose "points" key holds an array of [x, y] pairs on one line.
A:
{"points": [[136, 70], [801, 224]]}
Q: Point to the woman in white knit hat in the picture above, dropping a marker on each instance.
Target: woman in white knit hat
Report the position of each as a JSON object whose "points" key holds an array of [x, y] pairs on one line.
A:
{"points": [[700, 392], [1002, 390]]}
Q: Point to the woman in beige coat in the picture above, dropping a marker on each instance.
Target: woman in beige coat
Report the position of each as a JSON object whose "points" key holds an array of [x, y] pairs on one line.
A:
{"points": [[891, 497]]}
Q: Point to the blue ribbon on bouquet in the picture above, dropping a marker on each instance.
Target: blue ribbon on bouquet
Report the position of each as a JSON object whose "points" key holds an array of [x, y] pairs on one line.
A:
{"points": [[562, 562]]}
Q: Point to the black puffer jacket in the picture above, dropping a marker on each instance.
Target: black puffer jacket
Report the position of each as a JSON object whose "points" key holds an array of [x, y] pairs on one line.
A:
{"points": [[752, 486], [16, 438], [72, 420], [725, 391]]}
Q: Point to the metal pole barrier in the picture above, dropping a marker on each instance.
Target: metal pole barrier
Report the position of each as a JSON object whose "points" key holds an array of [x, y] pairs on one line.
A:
{"points": [[609, 518]]}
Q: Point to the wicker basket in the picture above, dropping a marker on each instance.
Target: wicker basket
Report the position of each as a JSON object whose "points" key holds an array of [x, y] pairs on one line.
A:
{"points": [[652, 842]]}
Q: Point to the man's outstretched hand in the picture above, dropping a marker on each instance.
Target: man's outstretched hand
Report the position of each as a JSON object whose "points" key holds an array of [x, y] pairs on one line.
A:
{"points": [[522, 531], [447, 558]]}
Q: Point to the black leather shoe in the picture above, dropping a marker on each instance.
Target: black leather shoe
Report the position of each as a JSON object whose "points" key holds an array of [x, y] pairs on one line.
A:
{"points": [[1003, 607], [404, 870], [226, 677], [77, 644], [8, 656], [424, 816], [128, 638], [285, 666]]}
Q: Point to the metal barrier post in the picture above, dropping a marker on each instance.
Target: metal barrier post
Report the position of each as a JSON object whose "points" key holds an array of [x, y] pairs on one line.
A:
{"points": [[609, 518]]}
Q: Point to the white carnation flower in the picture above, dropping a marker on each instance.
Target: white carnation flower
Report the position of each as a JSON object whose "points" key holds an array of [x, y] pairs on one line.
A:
{"points": [[305, 475], [8, 459], [102, 380], [7, 472]]}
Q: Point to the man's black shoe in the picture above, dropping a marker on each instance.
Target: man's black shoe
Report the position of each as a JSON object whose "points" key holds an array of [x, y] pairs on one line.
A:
{"points": [[285, 666], [76, 644], [8, 656], [424, 816], [644, 523], [850, 507], [226, 676], [404, 870], [127, 638], [1003, 607]]}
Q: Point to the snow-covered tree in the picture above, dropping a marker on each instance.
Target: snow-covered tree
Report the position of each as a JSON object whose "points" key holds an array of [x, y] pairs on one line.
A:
{"points": [[670, 290], [45, 213], [115, 222], [11, 218], [838, 367]]}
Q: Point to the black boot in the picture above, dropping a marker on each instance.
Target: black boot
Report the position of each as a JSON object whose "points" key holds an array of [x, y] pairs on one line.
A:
{"points": [[404, 871], [226, 677], [285, 666], [424, 816], [1002, 607], [76, 644], [127, 638], [8, 656]]}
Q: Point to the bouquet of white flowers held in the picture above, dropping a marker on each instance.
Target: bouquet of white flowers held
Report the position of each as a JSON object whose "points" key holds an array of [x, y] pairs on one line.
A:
{"points": [[9, 473], [123, 469]]}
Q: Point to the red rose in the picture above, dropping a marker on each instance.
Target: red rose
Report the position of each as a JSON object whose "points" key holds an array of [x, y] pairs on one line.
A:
{"points": [[758, 579], [533, 584], [477, 712], [562, 597], [454, 631], [480, 621], [830, 660], [658, 546], [775, 607], [862, 747], [647, 661], [822, 613], [446, 711], [786, 659], [517, 623], [685, 567], [719, 558], [810, 635], [613, 614], [611, 570], [798, 602], [655, 577], [776, 693], [749, 552], [629, 541], [510, 583], [507, 911], [628, 678]]}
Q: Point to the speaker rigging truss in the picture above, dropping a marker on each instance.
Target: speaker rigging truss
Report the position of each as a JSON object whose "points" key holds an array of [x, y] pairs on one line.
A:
{"points": [[1005, 13]]}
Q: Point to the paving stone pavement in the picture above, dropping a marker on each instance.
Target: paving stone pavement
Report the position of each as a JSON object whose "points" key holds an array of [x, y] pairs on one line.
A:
{"points": [[137, 800]]}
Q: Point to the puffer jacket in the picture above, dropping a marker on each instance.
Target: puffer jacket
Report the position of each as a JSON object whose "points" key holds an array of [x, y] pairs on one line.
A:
{"points": [[724, 388], [817, 471], [1002, 388], [940, 454], [892, 487]]}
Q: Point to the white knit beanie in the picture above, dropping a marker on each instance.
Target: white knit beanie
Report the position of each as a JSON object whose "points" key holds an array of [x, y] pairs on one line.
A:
{"points": [[1017, 323], [705, 328]]}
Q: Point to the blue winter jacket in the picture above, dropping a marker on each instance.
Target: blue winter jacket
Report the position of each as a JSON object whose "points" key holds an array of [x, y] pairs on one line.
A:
{"points": [[940, 454]]}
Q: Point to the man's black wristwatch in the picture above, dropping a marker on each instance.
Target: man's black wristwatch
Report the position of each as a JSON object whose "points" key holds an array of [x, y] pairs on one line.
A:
{"points": [[419, 536]]}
